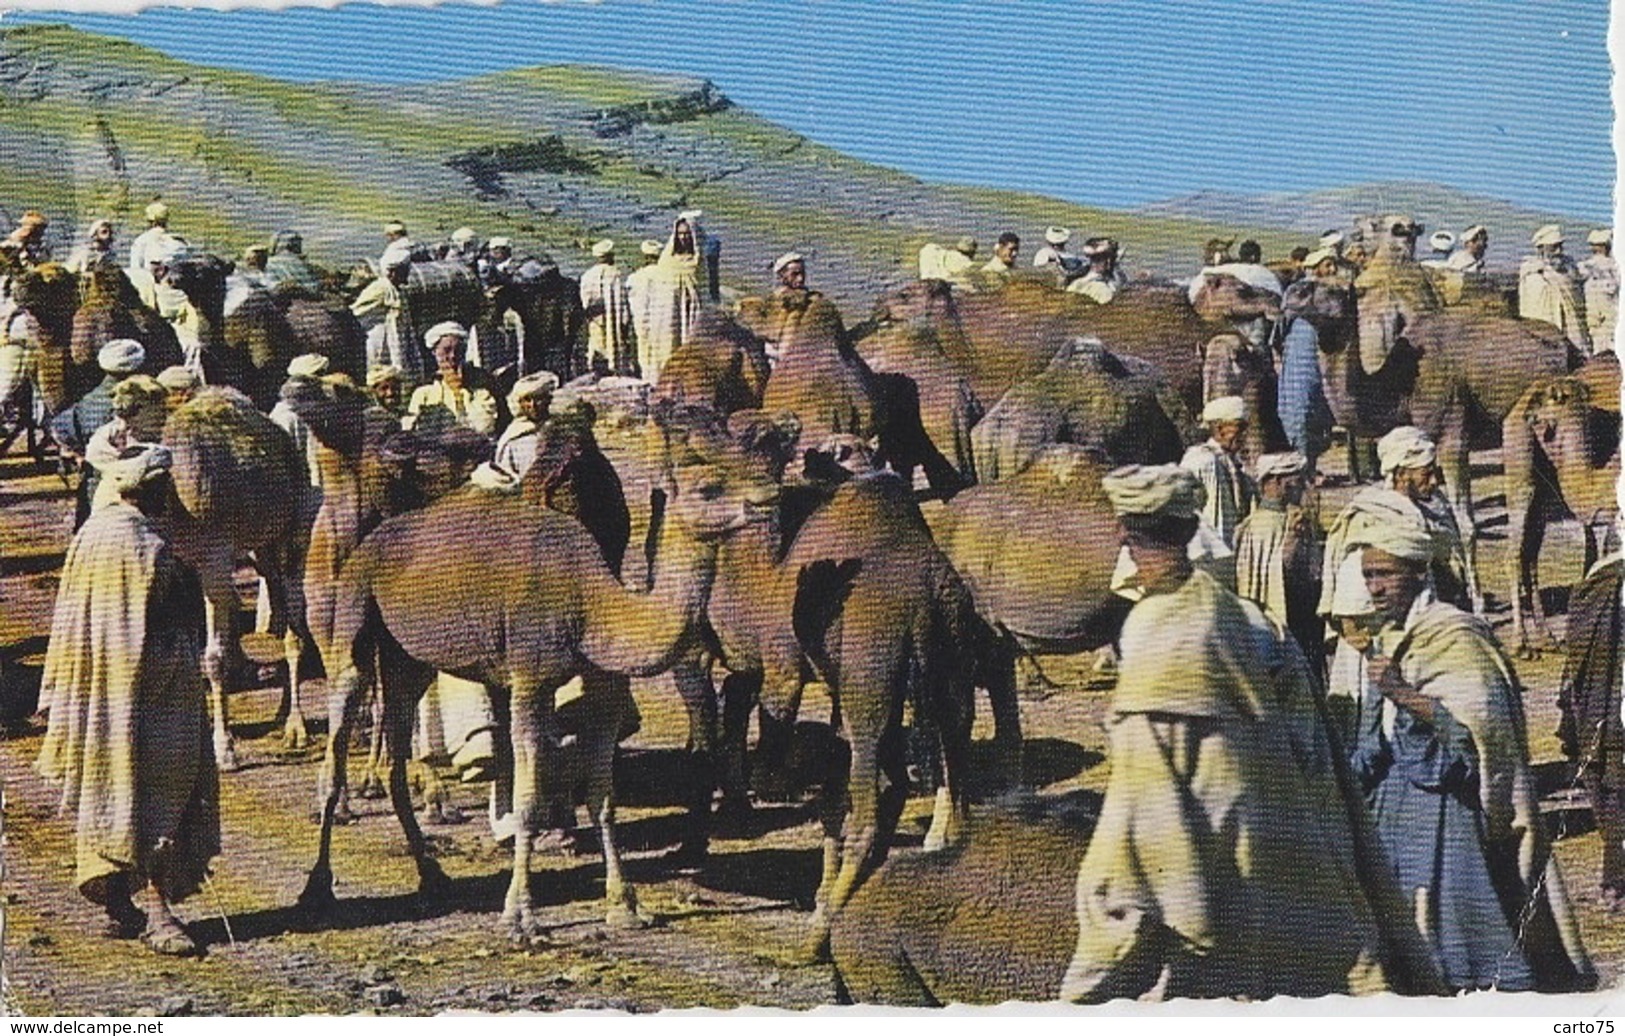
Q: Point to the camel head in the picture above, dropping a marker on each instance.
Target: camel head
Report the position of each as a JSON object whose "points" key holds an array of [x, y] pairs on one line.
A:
{"points": [[203, 280], [48, 292], [1222, 298], [1561, 406], [919, 300], [1318, 302], [723, 475]]}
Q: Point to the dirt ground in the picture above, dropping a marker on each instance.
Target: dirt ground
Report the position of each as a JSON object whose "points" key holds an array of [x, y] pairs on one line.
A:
{"points": [[724, 934]]}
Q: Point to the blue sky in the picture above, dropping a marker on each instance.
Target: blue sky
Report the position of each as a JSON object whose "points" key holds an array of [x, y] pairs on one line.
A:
{"points": [[1108, 102]]}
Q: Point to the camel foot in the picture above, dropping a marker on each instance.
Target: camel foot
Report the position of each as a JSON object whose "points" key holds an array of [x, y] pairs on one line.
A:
{"points": [[318, 897], [444, 814], [622, 912], [372, 787], [525, 929], [225, 757], [170, 940], [295, 736], [433, 884]]}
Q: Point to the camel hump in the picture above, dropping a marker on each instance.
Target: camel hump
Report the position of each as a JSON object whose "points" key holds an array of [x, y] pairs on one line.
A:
{"points": [[234, 468]]}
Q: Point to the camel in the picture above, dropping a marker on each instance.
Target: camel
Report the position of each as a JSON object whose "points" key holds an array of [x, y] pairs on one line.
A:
{"points": [[857, 597], [1118, 406], [989, 920], [997, 340], [548, 305], [249, 347], [112, 308], [1560, 442], [528, 628], [818, 377], [931, 404], [49, 295], [240, 483], [1455, 374], [721, 365]]}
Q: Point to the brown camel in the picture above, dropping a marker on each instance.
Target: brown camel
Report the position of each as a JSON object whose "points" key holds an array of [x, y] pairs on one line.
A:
{"points": [[241, 485], [989, 920], [818, 376], [722, 365], [1561, 448], [1454, 374], [1117, 406], [49, 295], [528, 628], [1001, 339], [112, 308]]}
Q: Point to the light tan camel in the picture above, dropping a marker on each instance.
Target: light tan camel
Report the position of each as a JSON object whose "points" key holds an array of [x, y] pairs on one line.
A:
{"points": [[1561, 450], [241, 484], [527, 625]]}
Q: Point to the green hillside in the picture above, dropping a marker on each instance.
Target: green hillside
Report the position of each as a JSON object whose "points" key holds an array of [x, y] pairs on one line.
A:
{"points": [[555, 157]]}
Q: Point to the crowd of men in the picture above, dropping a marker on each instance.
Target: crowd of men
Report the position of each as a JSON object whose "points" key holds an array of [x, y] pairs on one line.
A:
{"points": [[1289, 701]]}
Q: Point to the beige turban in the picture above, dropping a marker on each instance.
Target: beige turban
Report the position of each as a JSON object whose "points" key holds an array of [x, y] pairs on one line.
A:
{"points": [[500, 242], [462, 235], [1476, 230], [381, 375], [1225, 408], [602, 248], [1401, 538], [1279, 464], [1550, 234], [650, 247], [1605, 236], [157, 212], [178, 379], [121, 356], [308, 365], [965, 246], [1162, 489], [137, 467], [786, 259], [1405, 447], [395, 227], [1331, 239], [1350, 598], [1442, 241], [1057, 236], [1315, 258], [443, 329], [532, 385]]}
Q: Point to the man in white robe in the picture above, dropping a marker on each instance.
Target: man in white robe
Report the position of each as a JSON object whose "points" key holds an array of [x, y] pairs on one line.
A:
{"points": [[608, 311], [1216, 463], [460, 394], [385, 308], [676, 295], [1601, 275], [529, 403], [1549, 288], [639, 296], [1227, 859], [150, 240], [1277, 556], [1469, 258], [128, 739]]}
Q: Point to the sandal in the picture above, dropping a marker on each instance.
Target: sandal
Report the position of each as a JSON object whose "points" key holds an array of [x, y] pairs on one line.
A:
{"points": [[170, 940]]}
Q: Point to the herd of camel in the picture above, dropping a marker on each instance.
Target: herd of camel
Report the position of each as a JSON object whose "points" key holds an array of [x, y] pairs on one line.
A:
{"points": [[772, 525]]}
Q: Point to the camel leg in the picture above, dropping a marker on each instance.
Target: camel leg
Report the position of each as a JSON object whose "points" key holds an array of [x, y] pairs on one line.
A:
{"points": [[220, 615], [620, 900], [948, 813], [287, 595], [999, 677], [348, 688], [1540, 629], [1454, 466], [815, 947], [404, 682], [699, 697], [372, 780], [531, 722], [740, 693]]}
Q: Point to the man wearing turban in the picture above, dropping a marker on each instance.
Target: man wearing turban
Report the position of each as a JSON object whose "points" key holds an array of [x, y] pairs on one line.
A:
{"points": [[1223, 777], [1230, 493], [73, 427], [128, 739], [459, 396], [1277, 553], [1446, 767], [608, 311]]}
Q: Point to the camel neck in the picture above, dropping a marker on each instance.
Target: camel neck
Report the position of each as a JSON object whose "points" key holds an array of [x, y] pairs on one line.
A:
{"points": [[641, 634]]}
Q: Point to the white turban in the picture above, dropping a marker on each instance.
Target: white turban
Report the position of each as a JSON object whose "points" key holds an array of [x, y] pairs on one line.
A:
{"points": [[1279, 464], [1331, 239], [1057, 236], [650, 247], [1550, 234], [1405, 447], [786, 259], [1350, 598], [532, 385], [1402, 538], [499, 242], [1476, 230], [603, 248], [690, 217], [178, 379], [1605, 236], [1315, 258], [157, 212], [1442, 241], [395, 227], [462, 235], [121, 356], [137, 467], [1225, 408], [308, 365], [1162, 489], [442, 329], [379, 375]]}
